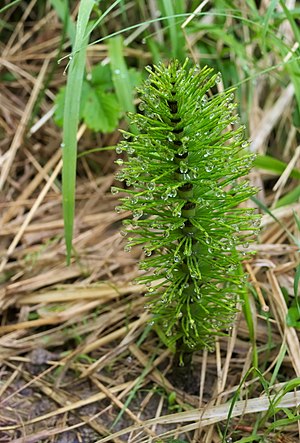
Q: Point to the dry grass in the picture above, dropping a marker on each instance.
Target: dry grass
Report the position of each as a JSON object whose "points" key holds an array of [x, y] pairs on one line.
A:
{"points": [[74, 345]]}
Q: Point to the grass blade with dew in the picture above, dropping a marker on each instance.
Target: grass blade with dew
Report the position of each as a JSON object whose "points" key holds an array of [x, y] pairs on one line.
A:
{"points": [[71, 120]]}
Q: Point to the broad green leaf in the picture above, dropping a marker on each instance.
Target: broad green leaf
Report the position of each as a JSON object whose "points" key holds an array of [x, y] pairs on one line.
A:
{"points": [[101, 76], [135, 77], [293, 317], [60, 105], [101, 110]]}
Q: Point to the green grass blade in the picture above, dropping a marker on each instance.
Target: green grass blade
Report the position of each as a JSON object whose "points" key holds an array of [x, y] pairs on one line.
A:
{"points": [[289, 198], [274, 165], [71, 120], [9, 5], [120, 76], [62, 9]]}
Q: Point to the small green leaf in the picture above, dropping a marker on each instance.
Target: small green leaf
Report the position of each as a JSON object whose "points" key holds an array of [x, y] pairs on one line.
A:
{"points": [[293, 317], [101, 76], [60, 104], [135, 77], [101, 110]]}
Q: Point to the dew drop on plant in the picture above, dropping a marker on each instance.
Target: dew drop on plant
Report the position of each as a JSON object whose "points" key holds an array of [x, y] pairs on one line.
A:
{"points": [[62, 145], [141, 106], [114, 190], [183, 167], [245, 144], [219, 78], [130, 150], [119, 161], [204, 100], [181, 150], [150, 186], [137, 214], [117, 71], [119, 150], [209, 167]]}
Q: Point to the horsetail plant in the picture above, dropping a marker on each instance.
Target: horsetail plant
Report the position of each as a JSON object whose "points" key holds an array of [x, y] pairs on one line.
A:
{"points": [[184, 182]]}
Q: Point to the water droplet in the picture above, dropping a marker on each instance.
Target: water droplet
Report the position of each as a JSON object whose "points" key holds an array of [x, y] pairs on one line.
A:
{"points": [[119, 150], [142, 106], [137, 214], [114, 190], [182, 150], [177, 258], [119, 161], [204, 100], [209, 167], [117, 71], [130, 150], [219, 77], [245, 144], [183, 167], [151, 186], [62, 145]]}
